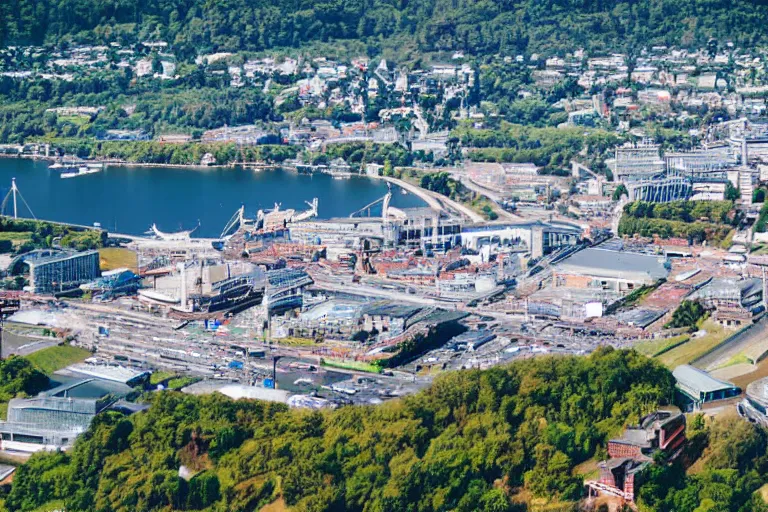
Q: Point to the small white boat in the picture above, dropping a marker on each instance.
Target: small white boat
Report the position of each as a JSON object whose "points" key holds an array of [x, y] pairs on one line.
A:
{"points": [[72, 172], [56, 165]]}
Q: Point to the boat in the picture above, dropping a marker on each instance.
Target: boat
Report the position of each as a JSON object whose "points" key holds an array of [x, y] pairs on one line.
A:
{"points": [[73, 172], [56, 165]]}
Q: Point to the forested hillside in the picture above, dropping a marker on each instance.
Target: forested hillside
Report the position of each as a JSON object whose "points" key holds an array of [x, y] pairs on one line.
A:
{"points": [[478, 27], [474, 441]]}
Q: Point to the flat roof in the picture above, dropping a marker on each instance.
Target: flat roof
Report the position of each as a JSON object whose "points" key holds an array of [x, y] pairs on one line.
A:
{"points": [[547, 226], [699, 381], [393, 309], [607, 263]]}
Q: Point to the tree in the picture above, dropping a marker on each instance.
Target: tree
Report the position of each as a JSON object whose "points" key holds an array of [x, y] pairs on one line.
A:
{"points": [[462, 444], [621, 190], [687, 314]]}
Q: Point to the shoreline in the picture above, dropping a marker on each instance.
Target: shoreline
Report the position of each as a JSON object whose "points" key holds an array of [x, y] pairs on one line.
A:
{"points": [[125, 163], [244, 166]]}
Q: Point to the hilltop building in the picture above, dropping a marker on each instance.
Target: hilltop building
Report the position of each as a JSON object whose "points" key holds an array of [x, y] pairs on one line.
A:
{"points": [[663, 430]]}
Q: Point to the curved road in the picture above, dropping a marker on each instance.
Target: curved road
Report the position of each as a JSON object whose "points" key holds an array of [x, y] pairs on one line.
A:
{"points": [[437, 202]]}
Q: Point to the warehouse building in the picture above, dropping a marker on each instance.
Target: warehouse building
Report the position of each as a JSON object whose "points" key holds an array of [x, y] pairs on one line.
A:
{"points": [[698, 387], [613, 271]]}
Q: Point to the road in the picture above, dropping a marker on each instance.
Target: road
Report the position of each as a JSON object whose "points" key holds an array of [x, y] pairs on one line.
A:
{"points": [[496, 199], [437, 202]]}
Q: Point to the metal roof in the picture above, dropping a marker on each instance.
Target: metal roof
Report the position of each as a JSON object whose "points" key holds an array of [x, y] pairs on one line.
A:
{"points": [[698, 381], [616, 264], [725, 288], [393, 309]]}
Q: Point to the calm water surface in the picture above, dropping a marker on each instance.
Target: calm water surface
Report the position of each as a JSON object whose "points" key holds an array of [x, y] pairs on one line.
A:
{"points": [[129, 199]]}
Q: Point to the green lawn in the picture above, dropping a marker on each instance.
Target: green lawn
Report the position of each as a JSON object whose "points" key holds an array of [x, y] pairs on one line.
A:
{"points": [[159, 376], [111, 258], [15, 236], [51, 359], [696, 347], [180, 382], [737, 359], [351, 365], [653, 348]]}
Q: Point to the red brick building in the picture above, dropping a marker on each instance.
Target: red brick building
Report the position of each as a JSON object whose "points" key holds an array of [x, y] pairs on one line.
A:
{"points": [[633, 451]]}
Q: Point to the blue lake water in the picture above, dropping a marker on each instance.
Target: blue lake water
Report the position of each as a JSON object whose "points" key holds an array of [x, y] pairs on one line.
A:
{"points": [[129, 199]]}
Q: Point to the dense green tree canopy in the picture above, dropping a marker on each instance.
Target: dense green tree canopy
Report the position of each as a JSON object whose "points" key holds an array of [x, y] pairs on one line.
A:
{"points": [[464, 444], [509, 26]]}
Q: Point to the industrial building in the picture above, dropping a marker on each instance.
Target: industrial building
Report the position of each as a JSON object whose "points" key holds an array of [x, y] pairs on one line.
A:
{"points": [[285, 289], [659, 189], [208, 287], [698, 387], [661, 430], [615, 271], [54, 271], [112, 373], [701, 174], [471, 340]]}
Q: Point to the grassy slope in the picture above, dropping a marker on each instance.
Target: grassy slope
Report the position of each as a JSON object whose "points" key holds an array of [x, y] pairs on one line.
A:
{"points": [[689, 351], [55, 358], [651, 348]]}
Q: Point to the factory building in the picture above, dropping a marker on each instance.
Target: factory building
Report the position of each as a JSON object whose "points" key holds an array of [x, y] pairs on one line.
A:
{"points": [[659, 189], [661, 430], [53, 271], [425, 228], [285, 289], [638, 161]]}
